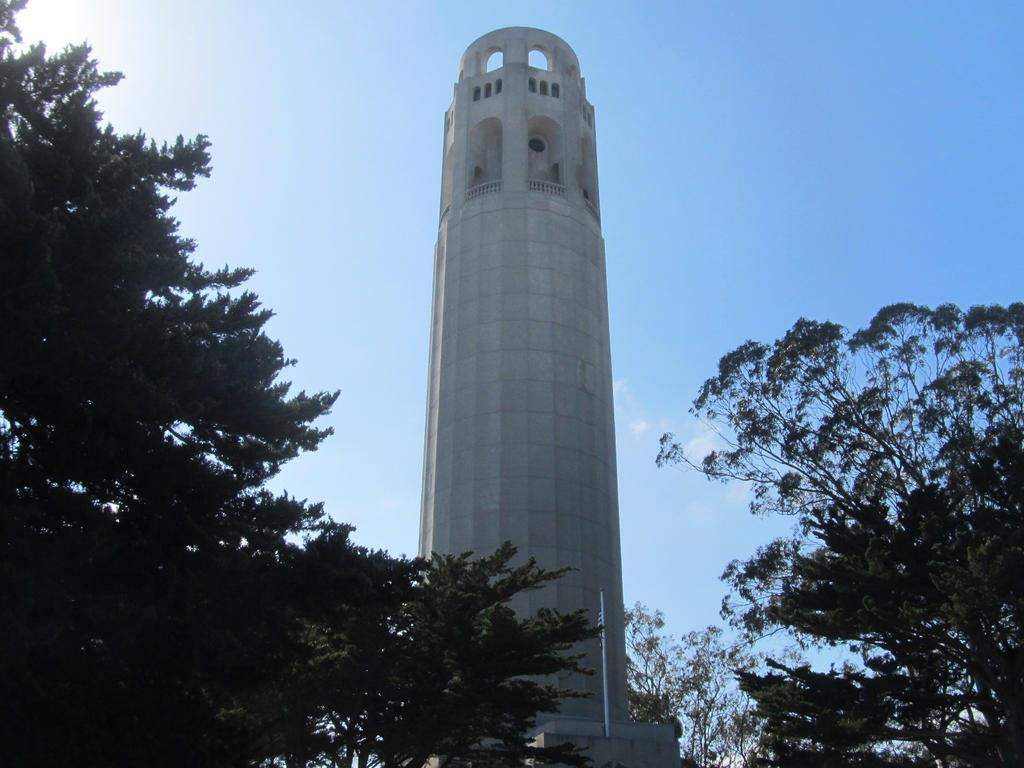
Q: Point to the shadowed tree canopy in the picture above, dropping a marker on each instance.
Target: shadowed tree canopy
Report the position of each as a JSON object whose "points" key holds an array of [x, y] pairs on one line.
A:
{"points": [[899, 450], [141, 412], [435, 664]]}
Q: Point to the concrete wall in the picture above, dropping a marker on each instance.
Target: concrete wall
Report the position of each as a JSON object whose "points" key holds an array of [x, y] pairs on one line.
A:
{"points": [[520, 438]]}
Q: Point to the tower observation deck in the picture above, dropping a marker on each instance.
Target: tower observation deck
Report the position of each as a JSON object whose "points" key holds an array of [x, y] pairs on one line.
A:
{"points": [[520, 434]]}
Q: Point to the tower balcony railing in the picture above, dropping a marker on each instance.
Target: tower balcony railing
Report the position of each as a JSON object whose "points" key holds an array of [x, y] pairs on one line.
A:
{"points": [[547, 187], [592, 208], [487, 188]]}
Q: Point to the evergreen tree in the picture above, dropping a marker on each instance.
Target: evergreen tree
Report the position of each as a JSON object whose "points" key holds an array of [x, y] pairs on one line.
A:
{"points": [[141, 412], [429, 661], [494, 670], [899, 449]]}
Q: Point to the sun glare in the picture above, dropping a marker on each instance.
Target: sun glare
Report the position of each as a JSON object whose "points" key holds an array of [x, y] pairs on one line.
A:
{"points": [[58, 23]]}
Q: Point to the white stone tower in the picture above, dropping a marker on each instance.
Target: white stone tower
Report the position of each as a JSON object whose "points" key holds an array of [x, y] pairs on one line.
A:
{"points": [[520, 435]]}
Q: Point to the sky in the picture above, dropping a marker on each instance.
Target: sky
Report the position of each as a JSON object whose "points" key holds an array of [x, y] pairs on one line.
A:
{"points": [[759, 162]]}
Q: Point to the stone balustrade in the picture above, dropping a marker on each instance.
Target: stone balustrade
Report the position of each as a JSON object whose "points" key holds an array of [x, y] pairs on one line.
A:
{"points": [[547, 187], [487, 188]]}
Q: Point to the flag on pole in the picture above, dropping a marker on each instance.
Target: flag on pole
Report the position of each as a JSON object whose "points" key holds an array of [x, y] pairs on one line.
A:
{"points": [[604, 671]]}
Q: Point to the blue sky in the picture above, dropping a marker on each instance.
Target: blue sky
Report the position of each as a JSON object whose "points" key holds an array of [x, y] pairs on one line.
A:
{"points": [[759, 162]]}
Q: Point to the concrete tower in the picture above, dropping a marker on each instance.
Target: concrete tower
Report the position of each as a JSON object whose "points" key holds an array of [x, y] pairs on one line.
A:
{"points": [[520, 435]]}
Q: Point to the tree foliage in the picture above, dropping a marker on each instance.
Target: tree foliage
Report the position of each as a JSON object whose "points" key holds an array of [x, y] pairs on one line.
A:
{"points": [[693, 685], [436, 664], [157, 607], [899, 449], [655, 669], [141, 412]]}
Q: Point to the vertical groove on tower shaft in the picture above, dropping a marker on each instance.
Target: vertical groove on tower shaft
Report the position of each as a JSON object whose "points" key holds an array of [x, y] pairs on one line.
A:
{"points": [[520, 437]]}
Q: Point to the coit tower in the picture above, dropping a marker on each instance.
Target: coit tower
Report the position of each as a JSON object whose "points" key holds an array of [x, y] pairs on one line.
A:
{"points": [[520, 435]]}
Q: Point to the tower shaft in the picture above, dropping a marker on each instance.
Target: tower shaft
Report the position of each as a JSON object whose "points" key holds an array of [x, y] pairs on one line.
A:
{"points": [[520, 435], [520, 432]]}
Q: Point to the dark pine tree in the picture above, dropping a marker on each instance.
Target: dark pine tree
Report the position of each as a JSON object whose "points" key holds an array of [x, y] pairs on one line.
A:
{"points": [[141, 412], [428, 660]]}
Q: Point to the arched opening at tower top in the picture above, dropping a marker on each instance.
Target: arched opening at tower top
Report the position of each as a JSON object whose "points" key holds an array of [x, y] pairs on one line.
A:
{"points": [[545, 155], [484, 158], [538, 59], [496, 60]]}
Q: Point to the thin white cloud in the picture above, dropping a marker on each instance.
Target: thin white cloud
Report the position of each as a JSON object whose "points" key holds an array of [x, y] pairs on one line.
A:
{"points": [[702, 442], [639, 427], [629, 412], [701, 508]]}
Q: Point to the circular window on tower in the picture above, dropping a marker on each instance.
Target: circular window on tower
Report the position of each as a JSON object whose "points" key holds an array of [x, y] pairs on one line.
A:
{"points": [[536, 145]]}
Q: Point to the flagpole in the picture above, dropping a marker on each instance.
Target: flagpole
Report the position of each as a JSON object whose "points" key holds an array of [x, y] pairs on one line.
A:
{"points": [[604, 672]]}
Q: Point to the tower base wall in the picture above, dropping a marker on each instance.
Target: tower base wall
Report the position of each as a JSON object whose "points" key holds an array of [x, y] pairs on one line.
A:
{"points": [[631, 745]]}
